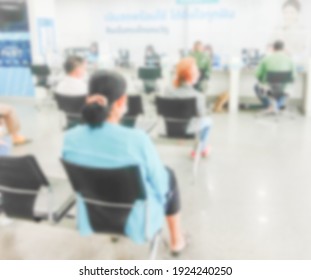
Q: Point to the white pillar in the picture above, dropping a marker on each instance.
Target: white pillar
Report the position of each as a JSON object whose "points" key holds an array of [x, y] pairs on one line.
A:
{"points": [[234, 85], [39, 10], [307, 93]]}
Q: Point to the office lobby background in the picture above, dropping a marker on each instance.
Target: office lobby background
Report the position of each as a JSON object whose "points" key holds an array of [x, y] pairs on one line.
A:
{"points": [[171, 26], [250, 198]]}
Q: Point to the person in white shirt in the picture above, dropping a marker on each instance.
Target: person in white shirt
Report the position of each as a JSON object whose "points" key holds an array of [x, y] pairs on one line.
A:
{"points": [[74, 83]]}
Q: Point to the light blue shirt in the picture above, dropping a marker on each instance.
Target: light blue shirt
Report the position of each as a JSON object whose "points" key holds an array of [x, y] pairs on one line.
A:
{"points": [[115, 146], [5, 146]]}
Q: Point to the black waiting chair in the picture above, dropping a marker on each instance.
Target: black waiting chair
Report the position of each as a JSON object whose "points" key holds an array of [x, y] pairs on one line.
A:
{"points": [[177, 114], [21, 183], [109, 195], [277, 82], [135, 109], [149, 75], [42, 73], [72, 107]]}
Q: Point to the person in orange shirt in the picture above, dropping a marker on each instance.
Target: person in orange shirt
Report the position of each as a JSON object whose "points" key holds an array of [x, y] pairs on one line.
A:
{"points": [[187, 75]]}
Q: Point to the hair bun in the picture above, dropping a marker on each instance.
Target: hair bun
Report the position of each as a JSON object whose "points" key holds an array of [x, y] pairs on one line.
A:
{"points": [[94, 114]]}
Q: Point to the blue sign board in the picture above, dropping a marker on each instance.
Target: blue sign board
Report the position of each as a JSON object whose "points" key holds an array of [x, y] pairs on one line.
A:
{"points": [[15, 50], [15, 53]]}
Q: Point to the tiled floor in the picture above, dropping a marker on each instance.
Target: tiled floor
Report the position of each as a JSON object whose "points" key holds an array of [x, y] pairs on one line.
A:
{"points": [[252, 199]]}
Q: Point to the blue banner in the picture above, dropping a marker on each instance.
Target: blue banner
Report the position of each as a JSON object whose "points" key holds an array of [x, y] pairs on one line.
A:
{"points": [[15, 53], [15, 50]]}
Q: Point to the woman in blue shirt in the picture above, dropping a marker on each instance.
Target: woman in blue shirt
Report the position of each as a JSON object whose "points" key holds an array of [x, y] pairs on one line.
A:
{"points": [[103, 143]]}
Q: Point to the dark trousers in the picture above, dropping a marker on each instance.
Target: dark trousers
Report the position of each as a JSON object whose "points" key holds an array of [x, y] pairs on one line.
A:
{"points": [[199, 85], [263, 96], [173, 205]]}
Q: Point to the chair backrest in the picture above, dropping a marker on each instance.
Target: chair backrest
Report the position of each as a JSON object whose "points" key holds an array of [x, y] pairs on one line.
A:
{"points": [[135, 109], [280, 77], [177, 113], [42, 72], [20, 181], [109, 194], [135, 106], [277, 82], [177, 108], [149, 73], [70, 105]]}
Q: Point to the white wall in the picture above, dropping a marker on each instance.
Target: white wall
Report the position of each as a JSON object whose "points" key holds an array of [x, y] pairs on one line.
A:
{"points": [[39, 9], [82, 21], [74, 21]]}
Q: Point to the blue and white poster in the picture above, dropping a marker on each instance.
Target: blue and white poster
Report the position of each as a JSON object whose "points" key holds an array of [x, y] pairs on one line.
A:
{"points": [[15, 49], [15, 53]]}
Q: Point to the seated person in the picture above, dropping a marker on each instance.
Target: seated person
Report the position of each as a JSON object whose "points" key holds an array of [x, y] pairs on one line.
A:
{"points": [[103, 143], [93, 54], [278, 61], [124, 58], [152, 59], [74, 82], [187, 74], [9, 118], [204, 65]]}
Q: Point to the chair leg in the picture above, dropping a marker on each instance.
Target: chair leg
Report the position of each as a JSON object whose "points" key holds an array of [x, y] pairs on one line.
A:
{"points": [[61, 121], [5, 221], [197, 159], [115, 239], [50, 204], [64, 209], [154, 246]]}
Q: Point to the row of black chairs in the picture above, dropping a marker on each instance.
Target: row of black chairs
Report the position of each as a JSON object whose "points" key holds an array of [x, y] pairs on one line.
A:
{"points": [[177, 113], [109, 194], [276, 80], [72, 107], [42, 73]]}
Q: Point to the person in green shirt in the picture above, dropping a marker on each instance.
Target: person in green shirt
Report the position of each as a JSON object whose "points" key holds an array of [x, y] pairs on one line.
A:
{"points": [[204, 64], [278, 61]]}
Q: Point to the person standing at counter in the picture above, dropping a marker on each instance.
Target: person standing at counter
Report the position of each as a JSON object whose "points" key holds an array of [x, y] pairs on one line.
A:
{"points": [[278, 61], [203, 63]]}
